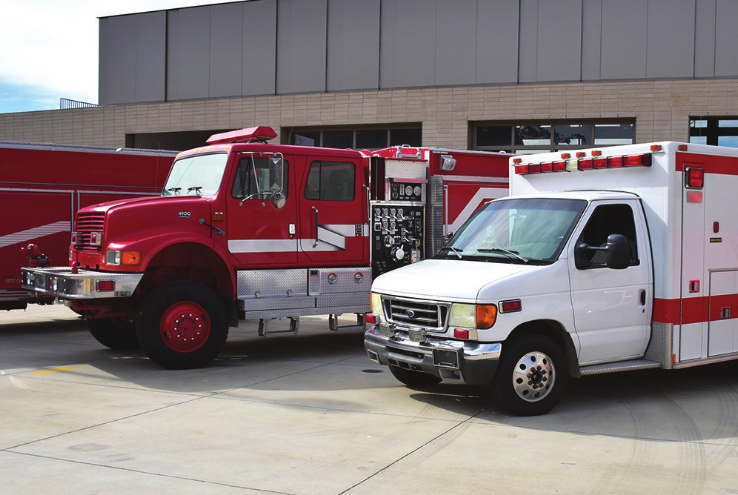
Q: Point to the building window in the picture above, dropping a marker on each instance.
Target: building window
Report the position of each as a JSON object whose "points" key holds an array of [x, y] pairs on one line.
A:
{"points": [[359, 138], [716, 131], [523, 137]]}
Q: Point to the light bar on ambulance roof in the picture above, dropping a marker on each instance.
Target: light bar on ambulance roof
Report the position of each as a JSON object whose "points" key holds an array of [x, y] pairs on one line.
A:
{"points": [[581, 162], [247, 135]]}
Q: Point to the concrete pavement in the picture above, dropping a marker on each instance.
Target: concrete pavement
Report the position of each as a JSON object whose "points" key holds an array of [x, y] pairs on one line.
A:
{"points": [[310, 414]]}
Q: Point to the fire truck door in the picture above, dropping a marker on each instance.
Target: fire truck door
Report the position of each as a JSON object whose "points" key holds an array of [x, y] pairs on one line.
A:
{"points": [[258, 233], [333, 212], [612, 307]]}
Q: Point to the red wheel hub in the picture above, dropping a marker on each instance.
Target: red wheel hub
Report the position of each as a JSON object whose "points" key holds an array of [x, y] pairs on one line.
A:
{"points": [[185, 326]]}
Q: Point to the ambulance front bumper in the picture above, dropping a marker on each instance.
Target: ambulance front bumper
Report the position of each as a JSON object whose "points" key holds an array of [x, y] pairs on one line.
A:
{"points": [[86, 284], [469, 362]]}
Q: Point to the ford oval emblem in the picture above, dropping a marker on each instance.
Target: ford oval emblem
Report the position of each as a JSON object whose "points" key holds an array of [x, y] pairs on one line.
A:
{"points": [[409, 313]]}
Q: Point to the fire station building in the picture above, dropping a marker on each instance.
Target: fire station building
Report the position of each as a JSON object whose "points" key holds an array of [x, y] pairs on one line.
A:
{"points": [[521, 76]]}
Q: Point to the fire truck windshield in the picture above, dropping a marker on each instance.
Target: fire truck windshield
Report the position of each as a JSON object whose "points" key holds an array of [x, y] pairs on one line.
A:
{"points": [[196, 175], [526, 230]]}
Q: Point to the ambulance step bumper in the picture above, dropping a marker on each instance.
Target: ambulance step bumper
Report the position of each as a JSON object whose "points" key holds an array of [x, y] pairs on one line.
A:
{"points": [[60, 282], [632, 365], [469, 362]]}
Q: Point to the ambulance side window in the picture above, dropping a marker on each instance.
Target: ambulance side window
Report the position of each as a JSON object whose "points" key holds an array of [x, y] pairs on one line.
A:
{"points": [[247, 184], [331, 181], [606, 220]]}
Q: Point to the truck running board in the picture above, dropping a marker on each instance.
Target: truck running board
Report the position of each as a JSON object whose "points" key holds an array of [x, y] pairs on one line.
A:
{"points": [[632, 365], [333, 323], [264, 327]]}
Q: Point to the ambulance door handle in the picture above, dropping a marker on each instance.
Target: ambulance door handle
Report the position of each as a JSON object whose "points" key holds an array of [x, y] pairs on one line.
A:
{"points": [[642, 295], [316, 226]]}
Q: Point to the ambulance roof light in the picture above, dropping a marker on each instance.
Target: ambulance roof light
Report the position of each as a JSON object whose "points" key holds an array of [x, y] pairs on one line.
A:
{"points": [[248, 135], [598, 163]]}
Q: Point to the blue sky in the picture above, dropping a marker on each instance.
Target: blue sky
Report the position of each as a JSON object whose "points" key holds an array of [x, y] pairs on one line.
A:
{"points": [[49, 48]]}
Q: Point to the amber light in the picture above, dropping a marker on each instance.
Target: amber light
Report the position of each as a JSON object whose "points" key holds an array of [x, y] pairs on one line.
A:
{"points": [[486, 315], [131, 258]]}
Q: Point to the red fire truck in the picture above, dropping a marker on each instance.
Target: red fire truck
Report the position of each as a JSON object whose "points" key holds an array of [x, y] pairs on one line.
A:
{"points": [[41, 188], [246, 230]]}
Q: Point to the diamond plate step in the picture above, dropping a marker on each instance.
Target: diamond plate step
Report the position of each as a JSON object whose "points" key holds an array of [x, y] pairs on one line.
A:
{"points": [[632, 365]]}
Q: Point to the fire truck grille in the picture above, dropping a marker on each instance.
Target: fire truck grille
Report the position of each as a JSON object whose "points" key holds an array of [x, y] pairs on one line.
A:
{"points": [[87, 223], [416, 313]]}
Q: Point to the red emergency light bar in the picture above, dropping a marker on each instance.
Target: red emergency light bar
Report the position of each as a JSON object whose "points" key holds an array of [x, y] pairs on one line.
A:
{"points": [[600, 162], [247, 135]]}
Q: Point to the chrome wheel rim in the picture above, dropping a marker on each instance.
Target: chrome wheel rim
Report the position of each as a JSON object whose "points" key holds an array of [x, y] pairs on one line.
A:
{"points": [[533, 377]]}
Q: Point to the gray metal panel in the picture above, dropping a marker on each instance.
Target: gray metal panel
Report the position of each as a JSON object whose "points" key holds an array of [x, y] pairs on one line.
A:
{"points": [[497, 41], [671, 38], [117, 60], [188, 53], [591, 28], [226, 44], [151, 44], [270, 283], [408, 44], [456, 42], [559, 47], [624, 39], [704, 38], [528, 49], [301, 46], [403, 169], [344, 280], [726, 39], [274, 313], [353, 45], [259, 48]]}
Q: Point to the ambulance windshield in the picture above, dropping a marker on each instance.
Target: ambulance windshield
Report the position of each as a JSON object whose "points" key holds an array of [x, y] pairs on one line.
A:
{"points": [[196, 175], [526, 230]]}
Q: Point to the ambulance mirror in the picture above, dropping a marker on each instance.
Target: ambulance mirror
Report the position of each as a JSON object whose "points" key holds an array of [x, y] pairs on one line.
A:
{"points": [[618, 252], [276, 173]]}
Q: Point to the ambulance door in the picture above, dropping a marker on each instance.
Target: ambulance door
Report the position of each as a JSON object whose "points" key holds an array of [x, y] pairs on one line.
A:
{"points": [[612, 307], [258, 233], [333, 212]]}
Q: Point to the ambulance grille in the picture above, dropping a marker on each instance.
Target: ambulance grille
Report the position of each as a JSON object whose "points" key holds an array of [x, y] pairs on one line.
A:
{"points": [[416, 313], [86, 223]]}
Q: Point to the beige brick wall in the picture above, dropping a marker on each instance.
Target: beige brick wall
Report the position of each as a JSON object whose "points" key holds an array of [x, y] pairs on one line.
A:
{"points": [[661, 110]]}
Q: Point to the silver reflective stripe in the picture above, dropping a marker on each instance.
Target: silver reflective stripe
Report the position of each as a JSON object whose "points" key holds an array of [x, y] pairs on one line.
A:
{"points": [[31, 234], [263, 246]]}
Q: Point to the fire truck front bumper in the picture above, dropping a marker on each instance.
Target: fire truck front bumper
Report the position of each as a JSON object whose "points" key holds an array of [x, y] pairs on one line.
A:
{"points": [[466, 361], [86, 284]]}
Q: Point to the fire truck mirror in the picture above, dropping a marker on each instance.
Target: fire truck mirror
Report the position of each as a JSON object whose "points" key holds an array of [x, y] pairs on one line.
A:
{"points": [[276, 174], [278, 200]]}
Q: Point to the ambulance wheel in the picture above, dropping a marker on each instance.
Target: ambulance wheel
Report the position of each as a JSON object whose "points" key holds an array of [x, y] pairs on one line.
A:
{"points": [[114, 333], [182, 325], [531, 376], [414, 378]]}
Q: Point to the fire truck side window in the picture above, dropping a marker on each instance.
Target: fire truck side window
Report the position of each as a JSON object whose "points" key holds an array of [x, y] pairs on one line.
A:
{"points": [[245, 184], [331, 181], [606, 220]]}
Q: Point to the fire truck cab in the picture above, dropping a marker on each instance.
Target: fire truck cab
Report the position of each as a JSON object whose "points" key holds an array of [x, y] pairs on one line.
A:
{"points": [[247, 230], [614, 259]]}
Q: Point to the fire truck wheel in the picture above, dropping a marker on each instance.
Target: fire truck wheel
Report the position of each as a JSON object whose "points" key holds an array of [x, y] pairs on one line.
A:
{"points": [[115, 333], [414, 378], [531, 376], [182, 325]]}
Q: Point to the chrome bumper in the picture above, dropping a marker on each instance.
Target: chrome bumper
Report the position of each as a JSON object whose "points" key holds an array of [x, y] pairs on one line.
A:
{"points": [[470, 362], [62, 283]]}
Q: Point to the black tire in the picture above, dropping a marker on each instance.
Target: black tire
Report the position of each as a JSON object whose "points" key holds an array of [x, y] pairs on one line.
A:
{"points": [[531, 377], [182, 325], [414, 378], [114, 333]]}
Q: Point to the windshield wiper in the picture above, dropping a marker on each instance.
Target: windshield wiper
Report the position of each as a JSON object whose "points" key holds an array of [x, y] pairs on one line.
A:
{"points": [[196, 189], [457, 252], [175, 189], [502, 250]]}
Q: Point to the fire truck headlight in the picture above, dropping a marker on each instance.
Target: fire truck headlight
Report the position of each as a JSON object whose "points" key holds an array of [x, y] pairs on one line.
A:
{"points": [[112, 257], [377, 304]]}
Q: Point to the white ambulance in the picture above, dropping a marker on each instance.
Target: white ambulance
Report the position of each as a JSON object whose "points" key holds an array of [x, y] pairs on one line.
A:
{"points": [[605, 260]]}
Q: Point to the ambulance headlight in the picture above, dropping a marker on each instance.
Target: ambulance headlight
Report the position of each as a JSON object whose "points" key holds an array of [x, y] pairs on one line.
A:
{"points": [[462, 315], [377, 304]]}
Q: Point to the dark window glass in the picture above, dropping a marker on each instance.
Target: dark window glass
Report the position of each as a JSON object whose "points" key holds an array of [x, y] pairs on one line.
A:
{"points": [[611, 134], [252, 179], [310, 138], [331, 181], [533, 135], [410, 137], [371, 139], [338, 139], [494, 135], [607, 220], [573, 134]]}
